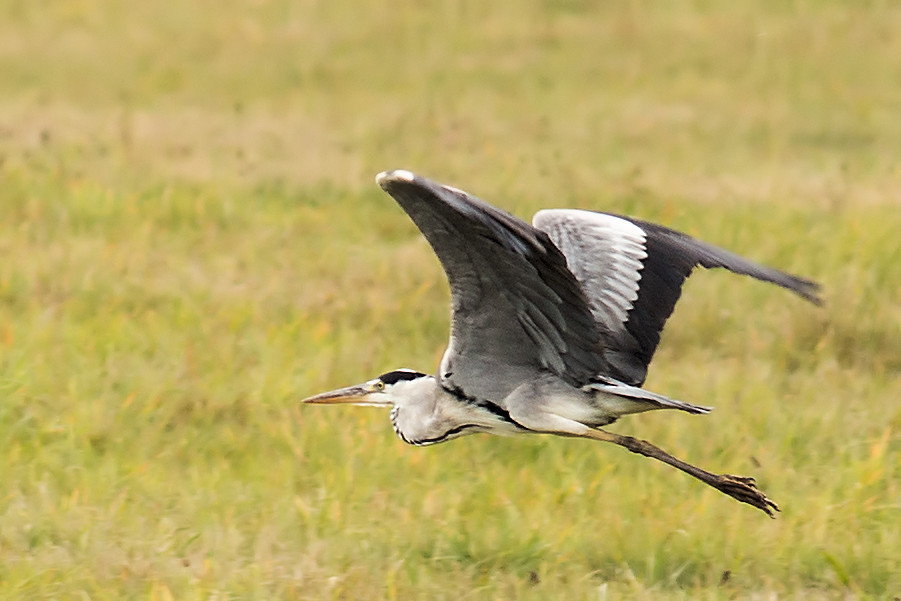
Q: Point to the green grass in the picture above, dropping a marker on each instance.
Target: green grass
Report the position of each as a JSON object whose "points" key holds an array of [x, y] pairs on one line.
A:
{"points": [[192, 241]]}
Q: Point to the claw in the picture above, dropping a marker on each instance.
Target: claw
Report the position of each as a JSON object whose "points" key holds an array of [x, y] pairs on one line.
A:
{"points": [[745, 490]]}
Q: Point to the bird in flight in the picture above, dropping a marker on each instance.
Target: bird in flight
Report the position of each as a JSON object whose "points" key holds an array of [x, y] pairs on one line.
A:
{"points": [[553, 324]]}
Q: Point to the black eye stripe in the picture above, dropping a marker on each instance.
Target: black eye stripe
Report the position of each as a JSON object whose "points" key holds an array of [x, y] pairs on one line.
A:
{"points": [[396, 376]]}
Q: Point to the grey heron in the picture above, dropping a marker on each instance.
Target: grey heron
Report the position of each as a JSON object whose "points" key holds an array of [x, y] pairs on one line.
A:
{"points": [[553, 324]]}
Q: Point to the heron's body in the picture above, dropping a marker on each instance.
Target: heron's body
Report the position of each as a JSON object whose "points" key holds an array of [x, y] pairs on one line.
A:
{"points": [[553, 325], [434, 414]]}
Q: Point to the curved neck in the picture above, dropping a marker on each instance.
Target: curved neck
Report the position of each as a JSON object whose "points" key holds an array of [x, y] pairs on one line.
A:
{"points": [[425, 413]]}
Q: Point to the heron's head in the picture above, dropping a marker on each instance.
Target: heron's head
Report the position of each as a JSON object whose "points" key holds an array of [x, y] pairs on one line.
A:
{"points": [[389, 389]]}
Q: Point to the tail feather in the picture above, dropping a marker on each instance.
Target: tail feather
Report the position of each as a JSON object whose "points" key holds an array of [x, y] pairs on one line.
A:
{"points": [[652, 399]]}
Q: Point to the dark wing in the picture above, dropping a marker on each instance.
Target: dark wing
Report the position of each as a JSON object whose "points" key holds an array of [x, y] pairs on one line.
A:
{"points": [[517, 310], [632, 273]]}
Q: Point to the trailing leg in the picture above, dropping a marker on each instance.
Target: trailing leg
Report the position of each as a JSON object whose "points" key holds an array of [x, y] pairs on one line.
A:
{"points": [[737, 487]]}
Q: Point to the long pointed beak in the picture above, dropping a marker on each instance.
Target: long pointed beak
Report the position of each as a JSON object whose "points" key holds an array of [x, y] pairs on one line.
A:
{"points": [[358, 394]]}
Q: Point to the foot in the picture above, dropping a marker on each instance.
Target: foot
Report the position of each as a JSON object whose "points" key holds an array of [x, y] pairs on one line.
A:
{"points": [[746, 491]]}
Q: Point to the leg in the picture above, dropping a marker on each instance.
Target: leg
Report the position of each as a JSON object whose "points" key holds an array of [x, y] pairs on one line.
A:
{"points": [[561, 415], [742, 489]]}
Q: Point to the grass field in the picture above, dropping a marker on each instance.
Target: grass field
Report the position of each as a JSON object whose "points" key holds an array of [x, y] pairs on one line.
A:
{"points": [[192, 241]]}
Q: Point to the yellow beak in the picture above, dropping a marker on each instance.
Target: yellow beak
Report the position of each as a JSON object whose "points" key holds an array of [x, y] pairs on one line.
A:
{"points": [[359, 394]]}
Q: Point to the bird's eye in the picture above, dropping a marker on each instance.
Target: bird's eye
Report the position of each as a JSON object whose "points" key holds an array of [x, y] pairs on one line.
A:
{"points": [[379, 385]]}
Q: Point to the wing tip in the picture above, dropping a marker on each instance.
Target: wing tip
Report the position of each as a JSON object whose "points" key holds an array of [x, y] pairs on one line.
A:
{"points": [[806, 289], [385, 178]]}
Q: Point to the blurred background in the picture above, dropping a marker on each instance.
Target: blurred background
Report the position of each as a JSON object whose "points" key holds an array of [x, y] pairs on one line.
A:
{"points": [[191, 240]]}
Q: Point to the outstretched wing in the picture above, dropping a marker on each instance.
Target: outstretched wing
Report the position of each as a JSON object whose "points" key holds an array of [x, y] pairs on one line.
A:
{"points": [[517, 310], [632, 272]]}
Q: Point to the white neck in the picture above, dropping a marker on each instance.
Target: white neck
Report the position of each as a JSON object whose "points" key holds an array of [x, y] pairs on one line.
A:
{"points": [[425, 413]]}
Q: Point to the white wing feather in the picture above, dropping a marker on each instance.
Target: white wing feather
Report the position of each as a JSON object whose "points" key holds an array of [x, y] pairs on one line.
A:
{"points": [[605, 254]]}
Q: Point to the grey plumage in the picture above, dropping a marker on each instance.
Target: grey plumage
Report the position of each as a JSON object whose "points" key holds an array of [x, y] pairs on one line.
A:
{"points": [[553, 325]]}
